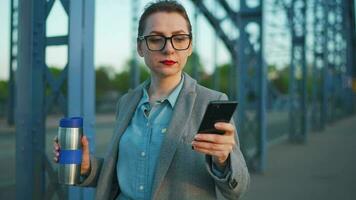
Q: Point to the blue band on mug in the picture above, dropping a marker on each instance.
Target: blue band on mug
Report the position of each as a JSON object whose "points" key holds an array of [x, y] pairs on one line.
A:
{"points": [[71, 122], [70, 156]]}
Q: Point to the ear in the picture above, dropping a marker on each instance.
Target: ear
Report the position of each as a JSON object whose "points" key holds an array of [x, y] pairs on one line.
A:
{"points": [[190, 50], [139, 48]]}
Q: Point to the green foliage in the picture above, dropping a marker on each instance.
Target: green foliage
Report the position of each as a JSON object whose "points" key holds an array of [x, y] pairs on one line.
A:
{"points": [[3, 91], [281, 80], [192, 62], [224, 71], [102, 80], [121, 81]]}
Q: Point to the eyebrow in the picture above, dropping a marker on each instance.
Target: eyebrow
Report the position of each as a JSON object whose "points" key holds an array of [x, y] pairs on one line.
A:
{"points": [[174, 32]]}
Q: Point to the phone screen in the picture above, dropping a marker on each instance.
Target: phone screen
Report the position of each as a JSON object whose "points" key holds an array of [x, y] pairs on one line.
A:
{"points": [[217, 111]]}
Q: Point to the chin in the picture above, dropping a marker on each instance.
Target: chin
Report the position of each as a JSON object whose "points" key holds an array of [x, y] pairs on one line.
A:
{"points": [[167, 73]]}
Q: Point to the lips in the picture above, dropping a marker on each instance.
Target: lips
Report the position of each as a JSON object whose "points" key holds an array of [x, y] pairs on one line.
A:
{"points": [[168, 62]]}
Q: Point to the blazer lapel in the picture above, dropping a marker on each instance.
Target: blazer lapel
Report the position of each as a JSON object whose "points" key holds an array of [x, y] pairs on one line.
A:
{"points": [[125, 115], [181, 114]]}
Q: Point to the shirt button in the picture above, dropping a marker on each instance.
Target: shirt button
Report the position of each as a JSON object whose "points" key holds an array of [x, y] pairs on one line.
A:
{"points": [[164, 130], [143, 154], [141, 187]]}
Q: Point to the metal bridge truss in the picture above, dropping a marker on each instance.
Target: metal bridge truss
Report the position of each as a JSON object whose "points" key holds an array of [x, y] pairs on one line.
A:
{"points": [[331, 96], [248, 74], [33, 79], [296, 14]]}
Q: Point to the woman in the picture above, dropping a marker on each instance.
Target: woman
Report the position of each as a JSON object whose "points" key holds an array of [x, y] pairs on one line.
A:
{"points": [[155, 152]]}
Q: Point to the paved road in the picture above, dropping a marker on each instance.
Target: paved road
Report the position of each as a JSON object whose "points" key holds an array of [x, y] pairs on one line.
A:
{"points": [[322, 169]]}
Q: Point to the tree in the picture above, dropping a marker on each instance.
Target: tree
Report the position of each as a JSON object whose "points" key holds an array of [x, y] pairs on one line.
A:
{"points": [[102, 80], [4, 94]]}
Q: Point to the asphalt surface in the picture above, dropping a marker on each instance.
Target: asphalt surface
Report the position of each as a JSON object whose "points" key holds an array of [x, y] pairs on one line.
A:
{"points": [[323, 168]]}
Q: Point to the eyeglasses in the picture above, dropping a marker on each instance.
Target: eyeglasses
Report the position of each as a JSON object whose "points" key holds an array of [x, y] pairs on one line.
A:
{"points": [[179, 42]]}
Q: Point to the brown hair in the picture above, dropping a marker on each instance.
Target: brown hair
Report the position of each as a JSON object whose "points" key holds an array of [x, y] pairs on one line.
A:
{"points": [[162, 6]]}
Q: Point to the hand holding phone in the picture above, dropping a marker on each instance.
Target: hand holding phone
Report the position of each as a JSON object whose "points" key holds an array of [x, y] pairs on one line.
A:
{"points": [[217, 111]]}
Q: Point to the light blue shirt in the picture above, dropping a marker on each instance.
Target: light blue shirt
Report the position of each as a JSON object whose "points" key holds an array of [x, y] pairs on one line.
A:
{"points": [[140, 145]]}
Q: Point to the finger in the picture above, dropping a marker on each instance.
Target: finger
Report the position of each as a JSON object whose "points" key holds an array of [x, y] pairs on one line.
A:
{"points": [[55, 153], [56, 146], [215, 138], [212, 146], [218, 154], [85, 143], [228, 128]]}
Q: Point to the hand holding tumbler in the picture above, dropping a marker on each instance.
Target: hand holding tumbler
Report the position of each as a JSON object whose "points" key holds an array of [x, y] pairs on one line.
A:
{"points": [[70, 155]]}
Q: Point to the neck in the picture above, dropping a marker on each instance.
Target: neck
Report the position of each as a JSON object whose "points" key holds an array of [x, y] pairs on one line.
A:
{"points": [[161, 87]]}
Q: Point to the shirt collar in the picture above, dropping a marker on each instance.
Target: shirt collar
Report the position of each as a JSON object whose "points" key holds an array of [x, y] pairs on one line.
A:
{"points": [[172, 97]]}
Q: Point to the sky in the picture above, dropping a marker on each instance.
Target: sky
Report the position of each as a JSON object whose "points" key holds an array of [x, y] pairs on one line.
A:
{"points": [[113, 44]]}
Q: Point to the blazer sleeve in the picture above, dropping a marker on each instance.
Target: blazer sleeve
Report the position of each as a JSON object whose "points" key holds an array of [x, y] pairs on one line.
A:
{"points": [[92, 178], [236, 180]]}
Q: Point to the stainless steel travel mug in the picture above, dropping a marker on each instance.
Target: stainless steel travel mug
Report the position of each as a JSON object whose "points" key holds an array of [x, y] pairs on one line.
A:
{"points": [[70, 133]]}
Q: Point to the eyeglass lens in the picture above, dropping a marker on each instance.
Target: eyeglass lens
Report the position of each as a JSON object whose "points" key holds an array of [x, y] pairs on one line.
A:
{"points": [[158, 42]]}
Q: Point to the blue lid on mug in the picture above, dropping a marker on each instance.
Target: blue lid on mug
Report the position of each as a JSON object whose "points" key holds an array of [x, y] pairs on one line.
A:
{"points": [[71, 122]]}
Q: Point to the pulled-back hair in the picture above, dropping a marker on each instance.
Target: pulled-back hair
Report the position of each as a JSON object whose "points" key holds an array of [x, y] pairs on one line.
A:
{"points": [[162, 6]]}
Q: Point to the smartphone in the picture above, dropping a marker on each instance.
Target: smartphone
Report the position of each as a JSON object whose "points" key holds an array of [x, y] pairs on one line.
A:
{"points": [[217, 111]]}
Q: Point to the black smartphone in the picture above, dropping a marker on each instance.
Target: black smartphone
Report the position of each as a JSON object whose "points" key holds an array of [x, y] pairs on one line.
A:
{"points": [[217, 111]]}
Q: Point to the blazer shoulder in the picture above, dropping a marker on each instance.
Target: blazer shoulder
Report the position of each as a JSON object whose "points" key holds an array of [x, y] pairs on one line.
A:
{"points": [[207, 92], [126, 99]]}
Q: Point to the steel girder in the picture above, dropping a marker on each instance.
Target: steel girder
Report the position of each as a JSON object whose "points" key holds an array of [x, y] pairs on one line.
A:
{"points": [[350, 36], [249, 76], [32, 78], [296, 13], [252, 84], [81, 75], [135, 69], [335, 69], [14, 18], [318, 63], [30, 115]]}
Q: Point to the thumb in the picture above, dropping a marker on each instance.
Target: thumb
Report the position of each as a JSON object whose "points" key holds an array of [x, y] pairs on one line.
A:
{"points": [[85, 166], [85, 145]]}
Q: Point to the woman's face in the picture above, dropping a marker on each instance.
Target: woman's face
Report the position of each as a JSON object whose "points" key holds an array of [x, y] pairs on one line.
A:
{"points": [[168, 61]]}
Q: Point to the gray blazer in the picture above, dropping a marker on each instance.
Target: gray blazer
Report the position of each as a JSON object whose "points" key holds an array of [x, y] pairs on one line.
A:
{"points": [[181, 172]]}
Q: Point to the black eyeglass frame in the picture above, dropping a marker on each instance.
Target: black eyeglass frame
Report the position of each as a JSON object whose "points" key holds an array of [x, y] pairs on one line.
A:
{"points": [[144, 37]]}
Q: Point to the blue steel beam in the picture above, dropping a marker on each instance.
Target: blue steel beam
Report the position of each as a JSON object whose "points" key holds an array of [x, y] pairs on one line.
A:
{"points": [[350, 40], [296, 13], [134, 70], [252, 85], [81, 77], [331, 65], [230, 44], [12, 60], [341, 76], [319, 17], [30, 115], [216, 74], [325, 91], [215, 23], [195, 69], [251, 110], [57, 40]]}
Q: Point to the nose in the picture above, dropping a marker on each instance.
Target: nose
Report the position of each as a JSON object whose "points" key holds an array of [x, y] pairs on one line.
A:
{"points": [[168, 49]]}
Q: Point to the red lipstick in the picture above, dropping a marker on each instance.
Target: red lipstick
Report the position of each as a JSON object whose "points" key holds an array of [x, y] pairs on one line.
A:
{"points": [[168, 62]]}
